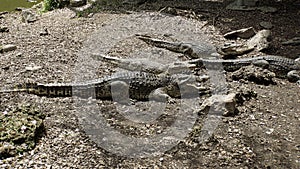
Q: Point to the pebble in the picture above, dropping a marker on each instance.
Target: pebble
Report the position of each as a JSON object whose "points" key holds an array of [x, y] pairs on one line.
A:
{"points": [[241, 33], [44, 32], [33, 68], [4, 12], [270, 131], [4, 29], [7, 48], [266, 25], [28, 16], [19, 54]]}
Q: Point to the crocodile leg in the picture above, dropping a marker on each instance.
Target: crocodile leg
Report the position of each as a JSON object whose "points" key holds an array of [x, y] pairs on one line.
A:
{"points": [[159, 95]]}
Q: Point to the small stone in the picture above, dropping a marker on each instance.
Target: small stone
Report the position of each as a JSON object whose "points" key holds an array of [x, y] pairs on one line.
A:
{"points": [[7, 48], [270, 131], [221, 103], [19, 8], [254, 73], [28, 16], [4, 29], [266, 25], [241, 33], [3, 13], [19, 54], [33, 68], [6, 67], [44, 32]]}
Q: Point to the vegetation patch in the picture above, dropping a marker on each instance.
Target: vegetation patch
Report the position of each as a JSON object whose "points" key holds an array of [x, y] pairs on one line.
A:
{"points": [[19, 130], [49, 5]]}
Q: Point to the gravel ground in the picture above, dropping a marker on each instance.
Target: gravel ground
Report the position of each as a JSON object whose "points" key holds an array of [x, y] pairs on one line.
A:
{"points": [[263, 134]]}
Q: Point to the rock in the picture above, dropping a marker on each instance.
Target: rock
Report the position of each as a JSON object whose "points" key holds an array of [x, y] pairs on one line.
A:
{"points": [[20, 130], [254, 74], [266, 25], [220, 103], [77, 3], [244, 94], [260, 40], [241, 33], [7, 48], [44, 32], [33, 68], [19, 54], [4, 29], [20, 8], [28, 16], [295, 41], [3, 13]]}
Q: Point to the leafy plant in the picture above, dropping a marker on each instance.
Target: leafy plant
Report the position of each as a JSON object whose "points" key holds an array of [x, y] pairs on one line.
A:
{"points": [[49, 5]]}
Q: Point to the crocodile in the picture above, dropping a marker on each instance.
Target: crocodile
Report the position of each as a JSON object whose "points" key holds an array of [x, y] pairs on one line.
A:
{"points": [[193, 51], [120, 87], [202, 56], [281, 66], [145, 65]]}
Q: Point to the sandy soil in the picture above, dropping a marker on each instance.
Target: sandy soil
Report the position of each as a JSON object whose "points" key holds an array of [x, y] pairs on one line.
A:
{"points": [[263, 134]]}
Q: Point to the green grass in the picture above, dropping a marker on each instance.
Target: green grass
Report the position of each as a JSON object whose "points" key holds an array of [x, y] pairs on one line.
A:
{"points": [[49, 5]]}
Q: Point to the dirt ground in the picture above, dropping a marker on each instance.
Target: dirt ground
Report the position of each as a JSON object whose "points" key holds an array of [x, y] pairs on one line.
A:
{"points": [[263, 134]]}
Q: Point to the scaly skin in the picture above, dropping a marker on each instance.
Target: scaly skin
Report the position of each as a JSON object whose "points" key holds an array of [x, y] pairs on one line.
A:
{"points": [[193, 51], [146, 65], [122, 86], [282, 67]]}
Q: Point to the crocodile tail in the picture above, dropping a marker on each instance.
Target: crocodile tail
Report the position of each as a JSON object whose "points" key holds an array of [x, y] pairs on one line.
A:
{"points": [[49, 90], [25, 87]]}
